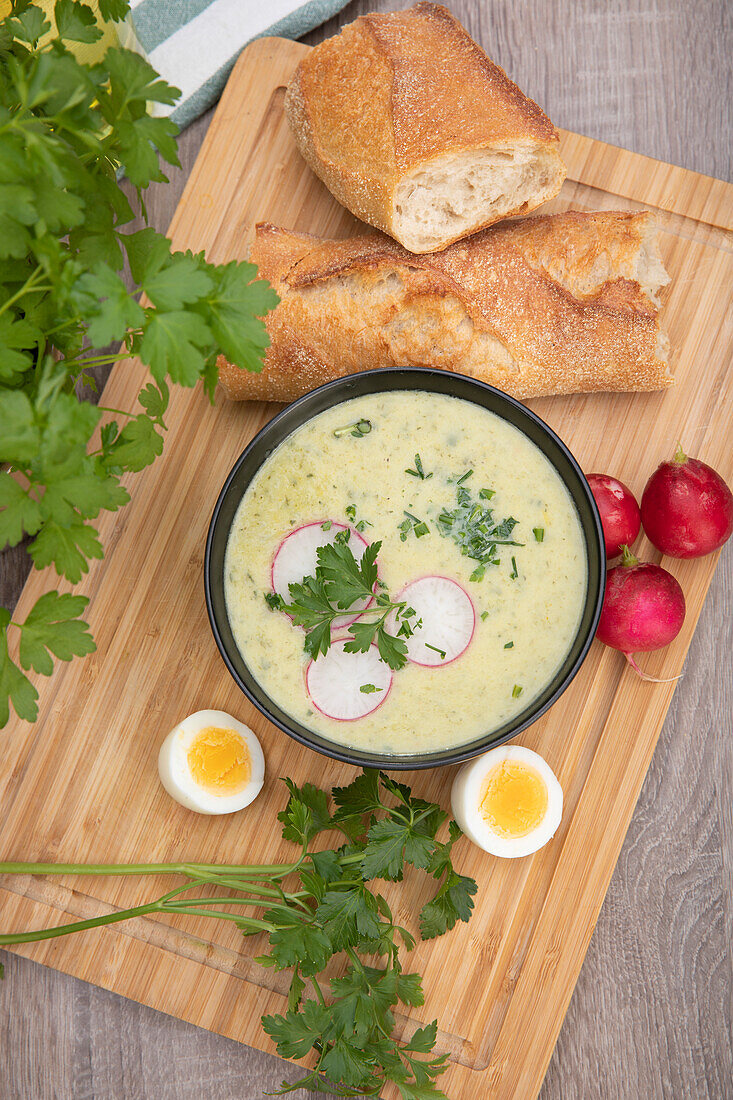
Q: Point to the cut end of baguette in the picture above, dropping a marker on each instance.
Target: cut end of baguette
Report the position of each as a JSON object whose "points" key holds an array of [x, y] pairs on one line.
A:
{"points": [[448, 198], [648, 267]]}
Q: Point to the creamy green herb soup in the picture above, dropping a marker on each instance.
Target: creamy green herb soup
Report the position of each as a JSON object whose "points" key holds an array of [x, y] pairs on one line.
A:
{"points": [[527, 607]]}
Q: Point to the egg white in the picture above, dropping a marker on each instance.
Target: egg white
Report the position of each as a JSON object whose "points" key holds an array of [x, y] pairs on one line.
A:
{"points": [[175, 774], [466, 795]]}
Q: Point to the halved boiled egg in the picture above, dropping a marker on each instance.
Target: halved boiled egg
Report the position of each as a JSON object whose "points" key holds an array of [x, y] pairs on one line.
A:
{"points": [[507, 801], [212, 763]]}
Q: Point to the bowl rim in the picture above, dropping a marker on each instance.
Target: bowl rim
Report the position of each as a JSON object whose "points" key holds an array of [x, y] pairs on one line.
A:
{"points": [[460, 753]]}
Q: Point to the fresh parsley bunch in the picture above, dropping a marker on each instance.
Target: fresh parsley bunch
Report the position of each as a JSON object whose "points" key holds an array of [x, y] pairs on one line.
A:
{"points": [[327, 903], [66, 128]]}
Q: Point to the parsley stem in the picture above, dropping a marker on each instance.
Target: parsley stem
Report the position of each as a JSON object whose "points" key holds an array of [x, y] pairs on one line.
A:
{"points": [[117, 412], [251, 922], [269, 871], [319, 991], [96, 360], [356, 857], [355, 959], [79, 926], [186, 903], [29, 284]]}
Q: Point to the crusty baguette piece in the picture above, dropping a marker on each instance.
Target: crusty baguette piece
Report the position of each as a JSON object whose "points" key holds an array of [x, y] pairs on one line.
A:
{"points": [[414, 129], [552, 304]]}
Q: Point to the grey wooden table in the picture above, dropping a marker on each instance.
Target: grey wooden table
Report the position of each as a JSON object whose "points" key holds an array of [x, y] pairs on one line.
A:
{"points": [[651, 1013]]}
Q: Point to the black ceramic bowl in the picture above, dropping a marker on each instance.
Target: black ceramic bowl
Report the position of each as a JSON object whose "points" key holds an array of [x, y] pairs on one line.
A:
{"points": [[377, 381]]}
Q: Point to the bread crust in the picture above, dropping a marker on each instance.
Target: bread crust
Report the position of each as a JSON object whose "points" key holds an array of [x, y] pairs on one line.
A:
{"points": [[544, 305], [394, 91]]}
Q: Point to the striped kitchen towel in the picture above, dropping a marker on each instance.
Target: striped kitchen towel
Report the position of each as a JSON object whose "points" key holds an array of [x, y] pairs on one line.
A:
{"points": [[193, 44]]}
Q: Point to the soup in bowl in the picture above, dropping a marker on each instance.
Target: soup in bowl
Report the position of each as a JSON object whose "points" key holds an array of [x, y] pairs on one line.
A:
{"points": [[404, 568]]}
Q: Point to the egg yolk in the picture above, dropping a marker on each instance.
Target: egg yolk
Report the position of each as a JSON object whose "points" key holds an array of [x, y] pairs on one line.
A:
{"points": [[513, 799], [218, 760]]}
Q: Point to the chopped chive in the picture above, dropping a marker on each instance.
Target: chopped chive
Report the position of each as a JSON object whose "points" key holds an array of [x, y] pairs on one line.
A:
{"points": [[439, 651], [487, 494], [363, 524], [474, 529], [419, 471], [514, 573], [484, 617], [464, 477], [326, 525], [369, 689], [509, 645], [412, 523], [359, 428], [539, 533], [516, 691], [478, 573]]}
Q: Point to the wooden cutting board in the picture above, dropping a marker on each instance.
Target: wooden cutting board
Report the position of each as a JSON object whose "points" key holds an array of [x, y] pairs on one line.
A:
{"points": [[81, 784]]}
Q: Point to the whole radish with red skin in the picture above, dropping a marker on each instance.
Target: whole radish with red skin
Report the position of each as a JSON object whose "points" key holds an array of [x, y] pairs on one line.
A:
{"points": [[643, 609], [687, 508], [619, 511]]}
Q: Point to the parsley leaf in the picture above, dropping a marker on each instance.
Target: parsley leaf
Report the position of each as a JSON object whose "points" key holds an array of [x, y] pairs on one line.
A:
{"points": [[53, 626], [66, 548], [20, 513], [175, 343], [361, 796], [107, 303], [297, 827], [76, 22], [15, 688], [137, 445], [237, 301], [296, 1033], [453, 902], [297, 943], [392, 844], [348, 916]]}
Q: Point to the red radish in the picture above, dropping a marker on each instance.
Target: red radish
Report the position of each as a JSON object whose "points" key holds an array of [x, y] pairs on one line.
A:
{"points": [[619, 512], [448, 620], [687, 508], [346, 686], [296, 558], [643, 609]]}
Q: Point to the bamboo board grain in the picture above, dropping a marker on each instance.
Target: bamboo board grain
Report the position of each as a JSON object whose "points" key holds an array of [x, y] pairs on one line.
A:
{"points": [[82, 783]]}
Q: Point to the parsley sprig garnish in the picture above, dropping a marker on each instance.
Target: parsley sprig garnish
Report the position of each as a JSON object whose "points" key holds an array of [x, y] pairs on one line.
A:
{"points": [[339, 584], [326, 903]]}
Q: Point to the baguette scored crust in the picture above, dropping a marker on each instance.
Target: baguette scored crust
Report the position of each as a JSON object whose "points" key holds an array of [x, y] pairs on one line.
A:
{"points": [[553, 304], [414, 129]]}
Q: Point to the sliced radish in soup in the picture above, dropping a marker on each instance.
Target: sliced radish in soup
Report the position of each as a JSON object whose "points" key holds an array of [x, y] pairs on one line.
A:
{"points": [[345, 685], [296, 558], [448, 620]]}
